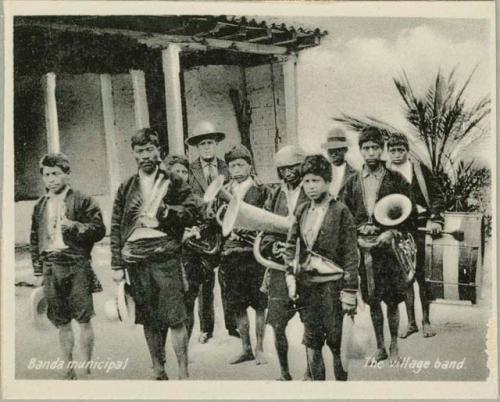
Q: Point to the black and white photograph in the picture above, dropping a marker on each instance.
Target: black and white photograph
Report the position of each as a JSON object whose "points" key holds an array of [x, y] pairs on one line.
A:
{"points": [[230, 196]]}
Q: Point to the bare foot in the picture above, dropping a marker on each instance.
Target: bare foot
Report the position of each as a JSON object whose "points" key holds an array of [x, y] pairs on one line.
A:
{"points": [[285, 377], [410, 329], [159, 375], [307, 377], [259, 358], [427, 330], [70, 375], [394, 352], [242, 357], [380, 354]]}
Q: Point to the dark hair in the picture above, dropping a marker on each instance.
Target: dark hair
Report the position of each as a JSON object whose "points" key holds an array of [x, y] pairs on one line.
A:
{"points": [[317, 165], [55, 159], [371, 134], [145, 136], [181, 159], [398, 139]]}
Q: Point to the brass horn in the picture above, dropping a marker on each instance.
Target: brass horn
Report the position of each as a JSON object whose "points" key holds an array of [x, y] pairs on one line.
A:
{"points": [[392, 209]]}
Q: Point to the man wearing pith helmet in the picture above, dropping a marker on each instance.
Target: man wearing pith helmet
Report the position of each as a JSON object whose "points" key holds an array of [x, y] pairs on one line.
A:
{"points": [[204, 169], [336, 147], [284, 201]]}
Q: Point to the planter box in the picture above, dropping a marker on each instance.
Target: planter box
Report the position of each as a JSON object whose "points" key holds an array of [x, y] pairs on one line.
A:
{"points": [[452, 268]]}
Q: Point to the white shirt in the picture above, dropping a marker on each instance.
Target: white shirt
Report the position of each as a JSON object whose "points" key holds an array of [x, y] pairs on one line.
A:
{"points": [[405, 169], [338, 173], [147, 182], [55, 210], [240, 189], [206, 168]]}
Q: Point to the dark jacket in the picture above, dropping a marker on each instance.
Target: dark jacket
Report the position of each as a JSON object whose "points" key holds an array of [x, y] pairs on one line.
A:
{"points": [[349, 171], [183, 211], [88, 227], [197, 177], [392, 183], [256, 195], [435, 209], [336, 240]]}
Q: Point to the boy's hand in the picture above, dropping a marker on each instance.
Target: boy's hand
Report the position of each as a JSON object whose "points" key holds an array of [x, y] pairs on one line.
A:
{"points": [[118, 275], [279, 249], [67, 224], [435, 228], [349, 302]]}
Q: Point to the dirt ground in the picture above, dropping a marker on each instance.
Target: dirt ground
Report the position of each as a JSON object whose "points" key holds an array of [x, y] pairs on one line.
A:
{"points": [[461, 336]]}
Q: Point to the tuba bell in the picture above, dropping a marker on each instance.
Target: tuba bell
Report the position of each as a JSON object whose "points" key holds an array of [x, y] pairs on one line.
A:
{"points": [[392, 210]]}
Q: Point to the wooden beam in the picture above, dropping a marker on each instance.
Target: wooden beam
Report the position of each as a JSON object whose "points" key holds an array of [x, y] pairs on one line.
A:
{"points": [[244, 47], [140, 99], [173, 99], [290, 87], [51, 121], [110, 133]]}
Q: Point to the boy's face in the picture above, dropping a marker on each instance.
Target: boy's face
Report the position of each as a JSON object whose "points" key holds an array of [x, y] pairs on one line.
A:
{"points": [[54, 178], [147, 157], [180, 170], [239, 169], [398, 154], [371, 153], [314, 186], [337, 155], [290, 174], [206, 149]]}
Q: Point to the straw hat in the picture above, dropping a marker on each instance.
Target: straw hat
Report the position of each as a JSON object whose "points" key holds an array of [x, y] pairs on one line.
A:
{"points": [[202, 131]]}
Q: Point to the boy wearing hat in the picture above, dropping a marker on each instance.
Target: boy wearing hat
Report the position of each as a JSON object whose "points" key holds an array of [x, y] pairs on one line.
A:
{"points": [[203, 170], [428, 197], [65, 226], [323, 227], [242, 274], [284, 201], [153, 263], [336, 147], [381, 276]]}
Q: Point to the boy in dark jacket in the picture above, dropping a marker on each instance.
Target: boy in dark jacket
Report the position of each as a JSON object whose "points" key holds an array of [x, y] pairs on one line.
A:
{"points": [[242, 274], [427, 195], [65, 226], [381, 276], [324, 228], [153, 262]]}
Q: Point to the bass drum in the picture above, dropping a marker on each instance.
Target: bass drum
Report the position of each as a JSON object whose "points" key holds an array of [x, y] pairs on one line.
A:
{"points": [[454, 268]]}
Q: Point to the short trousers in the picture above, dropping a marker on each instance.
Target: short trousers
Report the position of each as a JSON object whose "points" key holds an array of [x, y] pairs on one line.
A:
{"points": [[242, 281], [390, 286], [280, 308], [68, 289], [158, 293], [320, 311]]}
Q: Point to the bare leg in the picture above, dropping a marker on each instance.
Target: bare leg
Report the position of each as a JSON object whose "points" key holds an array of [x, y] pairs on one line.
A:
{"points": [[378, 325], [87, 341], [316, 364], [180, 344], [426, 324], [410, 310], [281, 344], [244, 330], [307, 374], [156, 346], [393, 318], [67, 342], [260, 328]]}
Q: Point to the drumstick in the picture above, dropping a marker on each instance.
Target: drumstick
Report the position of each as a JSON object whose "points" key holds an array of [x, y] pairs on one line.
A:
{"points": [[456, 234]]}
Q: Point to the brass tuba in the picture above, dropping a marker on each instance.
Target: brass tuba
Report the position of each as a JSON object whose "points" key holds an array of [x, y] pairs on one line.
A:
{"points": [[392, 210]]}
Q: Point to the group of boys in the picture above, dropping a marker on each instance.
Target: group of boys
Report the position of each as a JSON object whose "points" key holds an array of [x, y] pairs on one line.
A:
{"points": [[331, 209]]}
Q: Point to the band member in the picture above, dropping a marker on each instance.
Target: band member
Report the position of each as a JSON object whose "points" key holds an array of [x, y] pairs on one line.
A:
{"points": [[242, 274], [336, 147], [65, 226], [282, 201], [148, 201], [205, 138], [428, 197], [324, 228], [381, 276]]}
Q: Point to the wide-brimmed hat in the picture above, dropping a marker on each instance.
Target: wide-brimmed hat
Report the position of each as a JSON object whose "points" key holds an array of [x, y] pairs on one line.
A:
{"points": [[202, 131], [335, 139], [122, 307], [38, 303]]}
